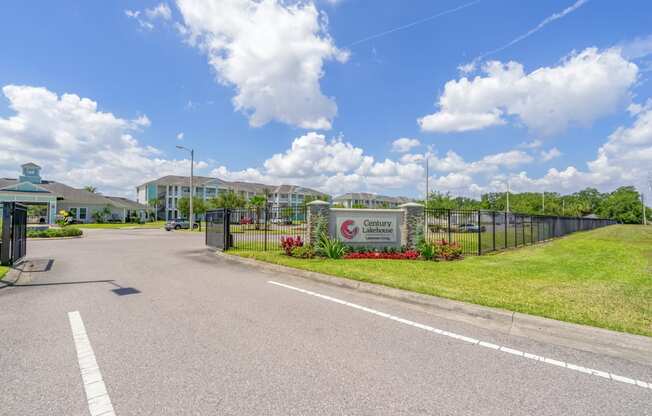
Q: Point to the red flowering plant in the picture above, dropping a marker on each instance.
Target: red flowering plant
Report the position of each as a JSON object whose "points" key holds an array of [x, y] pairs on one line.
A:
{"points": [[398, 255], [448, 251], [289, 243]]}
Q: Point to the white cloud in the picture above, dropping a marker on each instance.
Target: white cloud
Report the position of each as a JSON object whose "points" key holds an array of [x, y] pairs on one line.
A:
{"points": [[147, 17], [180, 136], [534, 144], [582, 88], [338, 166], [272, 52], [637, 48], [77, 144], [624, 159], [404, 144], [162, 11], [331, 165], [548, 155]]}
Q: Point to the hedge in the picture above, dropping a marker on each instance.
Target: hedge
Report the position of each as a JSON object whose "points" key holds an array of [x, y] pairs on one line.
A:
{"points": [[54, 233]]}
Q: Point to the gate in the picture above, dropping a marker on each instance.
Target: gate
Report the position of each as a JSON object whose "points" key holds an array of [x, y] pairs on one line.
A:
{"points": [[217, 229], [14, 233]]}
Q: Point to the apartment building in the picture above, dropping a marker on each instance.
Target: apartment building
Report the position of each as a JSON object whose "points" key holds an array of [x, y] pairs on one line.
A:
{"points": [[168, 189]]}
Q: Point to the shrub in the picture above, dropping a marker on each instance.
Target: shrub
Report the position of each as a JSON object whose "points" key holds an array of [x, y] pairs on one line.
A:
{"points": [[304, 252], [448, 251], [330, 247], [439, 250], [427, 250], [289, 243], [54, 233]]}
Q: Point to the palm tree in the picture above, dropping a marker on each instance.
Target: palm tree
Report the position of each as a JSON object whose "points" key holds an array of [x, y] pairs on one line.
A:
{"points": [[257, 202], [90, 188], [153, 203], [228, 199]]}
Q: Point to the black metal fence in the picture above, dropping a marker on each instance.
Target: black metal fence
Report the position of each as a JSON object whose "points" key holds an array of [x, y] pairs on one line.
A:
{"points": [[479, 232], [13, 229], [259, 229]]}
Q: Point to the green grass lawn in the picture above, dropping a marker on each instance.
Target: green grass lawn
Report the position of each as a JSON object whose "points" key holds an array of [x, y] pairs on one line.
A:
{"points": [[601, 278], [120, 225], [3, 271]]}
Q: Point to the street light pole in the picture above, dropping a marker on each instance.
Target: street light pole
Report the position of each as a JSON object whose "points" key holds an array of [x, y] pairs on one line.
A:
{"points": [[192, 165]]}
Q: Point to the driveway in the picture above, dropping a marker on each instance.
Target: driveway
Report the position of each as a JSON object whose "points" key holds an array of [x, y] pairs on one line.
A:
{"points": [[167, 328]]}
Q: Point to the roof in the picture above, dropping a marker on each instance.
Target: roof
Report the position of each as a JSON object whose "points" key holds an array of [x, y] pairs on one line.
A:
{"points": [[74, 195], [180, 180], [288, 189], [125, 203], [370, 196], [30, 164]]}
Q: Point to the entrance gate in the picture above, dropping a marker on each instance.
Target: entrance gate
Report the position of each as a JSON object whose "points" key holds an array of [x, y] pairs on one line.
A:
{"points": [[217, 229], [14, 233]]}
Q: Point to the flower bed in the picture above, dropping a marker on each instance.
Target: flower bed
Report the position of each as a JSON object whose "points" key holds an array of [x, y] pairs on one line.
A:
{"points": [[405, 255]]}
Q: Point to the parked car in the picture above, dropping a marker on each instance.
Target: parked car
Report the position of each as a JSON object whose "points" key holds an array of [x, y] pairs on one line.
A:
{"points": [[471, 228], [178, 224]]}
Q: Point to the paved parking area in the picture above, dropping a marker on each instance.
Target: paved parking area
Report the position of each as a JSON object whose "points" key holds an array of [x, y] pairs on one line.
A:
{"points": [[169, 328]]}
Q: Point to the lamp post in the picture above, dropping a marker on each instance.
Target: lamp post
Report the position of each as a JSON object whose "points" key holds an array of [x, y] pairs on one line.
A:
{"points": [[192, 163]]}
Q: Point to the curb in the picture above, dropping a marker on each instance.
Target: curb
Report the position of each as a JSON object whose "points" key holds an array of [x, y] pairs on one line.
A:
{"points": [[635, 348], [10, 278]]}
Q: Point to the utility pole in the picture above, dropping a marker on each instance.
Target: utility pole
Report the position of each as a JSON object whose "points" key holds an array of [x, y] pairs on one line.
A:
{"points": [[192, 163], [644, 213]]}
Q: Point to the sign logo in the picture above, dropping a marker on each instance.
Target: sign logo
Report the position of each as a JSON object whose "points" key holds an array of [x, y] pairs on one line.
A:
{"points": [[347, 232]]}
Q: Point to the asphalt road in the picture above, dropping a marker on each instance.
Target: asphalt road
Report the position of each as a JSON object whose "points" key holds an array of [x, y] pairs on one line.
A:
{"points": [[176, 330]]}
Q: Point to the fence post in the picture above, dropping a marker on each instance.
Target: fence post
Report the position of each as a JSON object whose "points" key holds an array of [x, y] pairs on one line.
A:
{"points": [[479, 233], [449, 226], [531, 230], [493, 228], [227, 229], [5, 253], [505, 228], [266, 219]]}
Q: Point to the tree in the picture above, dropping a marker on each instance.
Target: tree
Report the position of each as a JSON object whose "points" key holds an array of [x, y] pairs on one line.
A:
{"points": [[90, 188], [198, 206], [624, 205], [257, 202], [153, 203], [228, 199]]}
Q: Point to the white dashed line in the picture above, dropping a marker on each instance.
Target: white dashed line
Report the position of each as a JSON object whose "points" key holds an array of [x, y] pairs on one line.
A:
{"points": [[473, 341], [99, 403]]}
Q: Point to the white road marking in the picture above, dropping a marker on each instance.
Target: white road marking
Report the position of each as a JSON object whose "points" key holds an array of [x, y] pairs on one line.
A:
{"points": [[99, 403], [473, 341]]}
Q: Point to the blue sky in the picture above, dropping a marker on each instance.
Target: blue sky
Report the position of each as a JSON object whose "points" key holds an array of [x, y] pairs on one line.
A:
{"points": [[319, 109]]}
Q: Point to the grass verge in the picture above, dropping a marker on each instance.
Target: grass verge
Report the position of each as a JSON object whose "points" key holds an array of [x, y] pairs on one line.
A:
{"points": [[601, 278], [3, 271]]}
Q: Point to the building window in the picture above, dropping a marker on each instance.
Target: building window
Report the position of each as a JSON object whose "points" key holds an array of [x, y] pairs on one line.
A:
{"points": [[73, 212], [82, 213]]}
